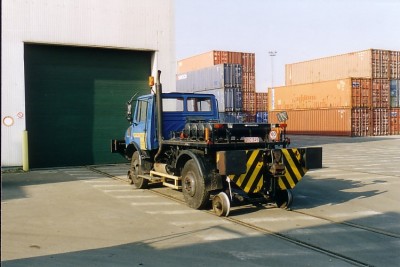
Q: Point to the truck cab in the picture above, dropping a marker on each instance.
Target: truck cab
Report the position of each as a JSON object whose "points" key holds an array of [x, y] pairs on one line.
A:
{"points": [[178, 109]]}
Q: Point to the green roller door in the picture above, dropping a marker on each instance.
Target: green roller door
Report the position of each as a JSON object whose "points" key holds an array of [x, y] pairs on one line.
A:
{"points": [[75, 101]]}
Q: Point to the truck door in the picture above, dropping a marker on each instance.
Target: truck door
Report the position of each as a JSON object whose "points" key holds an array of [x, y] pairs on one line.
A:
{"points": [[140, 126]]}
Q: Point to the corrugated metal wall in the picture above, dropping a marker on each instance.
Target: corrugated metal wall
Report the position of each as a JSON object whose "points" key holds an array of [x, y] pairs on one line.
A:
{"points": [[120, 24]]}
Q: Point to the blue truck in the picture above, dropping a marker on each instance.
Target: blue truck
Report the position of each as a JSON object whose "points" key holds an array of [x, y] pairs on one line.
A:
{"points": [[178, 140]]}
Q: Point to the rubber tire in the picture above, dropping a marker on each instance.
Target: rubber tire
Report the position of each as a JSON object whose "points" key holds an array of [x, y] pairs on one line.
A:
{"points": [[193, 186], [135, 170]]}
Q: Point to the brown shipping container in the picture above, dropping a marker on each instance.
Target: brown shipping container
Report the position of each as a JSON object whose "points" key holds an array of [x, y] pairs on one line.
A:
{"points": [[262, 101], [380, 121], [335, 121], [249, 102], [370, 63], [344, 93], [248, 62], [249, 82], [394, 121], [380, 93], [360, 122], [394, 65]]}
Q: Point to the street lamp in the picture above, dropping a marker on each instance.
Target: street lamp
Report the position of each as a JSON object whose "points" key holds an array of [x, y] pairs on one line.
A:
{"points": [[272, 93]]}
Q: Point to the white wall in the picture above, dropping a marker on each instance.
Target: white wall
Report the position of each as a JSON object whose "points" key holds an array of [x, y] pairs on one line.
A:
{"points": [[122, 24]]}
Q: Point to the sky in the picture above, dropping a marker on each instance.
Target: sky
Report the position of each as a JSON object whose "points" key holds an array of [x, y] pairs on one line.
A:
{"points": [[298, 30]]}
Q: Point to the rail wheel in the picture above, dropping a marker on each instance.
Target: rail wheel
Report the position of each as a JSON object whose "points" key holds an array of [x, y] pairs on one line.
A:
{"points": [[284, 198], [221, 204], [193, 187], [135, 171]]}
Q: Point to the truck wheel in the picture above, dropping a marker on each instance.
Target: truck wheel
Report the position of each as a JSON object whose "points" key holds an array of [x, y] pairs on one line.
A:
{"points": [[193, 187], [135, 170]]}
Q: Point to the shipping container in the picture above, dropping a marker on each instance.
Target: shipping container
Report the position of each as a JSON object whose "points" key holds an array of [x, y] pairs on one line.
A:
{"points": [[370, 63], [261, 116], [211, 58], [361, 122], [394, 121], [331, 122], [249, 82], [380, 121], [261, 101], [214, 77], [395, 93], [394, 65], [249, 62], [380, 93], [224, 96], [249, 102], [238, 99], [232, 117], [346, 93]]}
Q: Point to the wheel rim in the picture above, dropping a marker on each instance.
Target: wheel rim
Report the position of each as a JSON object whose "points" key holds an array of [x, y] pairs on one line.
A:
{"points": [[221, 204], [135, 171], [189, 184]]}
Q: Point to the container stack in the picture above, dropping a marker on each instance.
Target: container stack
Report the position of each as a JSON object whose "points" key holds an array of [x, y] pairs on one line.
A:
{"points": [[230, 76], [355, 94]]}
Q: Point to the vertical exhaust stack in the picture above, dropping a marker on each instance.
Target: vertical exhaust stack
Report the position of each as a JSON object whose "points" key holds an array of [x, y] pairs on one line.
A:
{"points": [[159, 113]]}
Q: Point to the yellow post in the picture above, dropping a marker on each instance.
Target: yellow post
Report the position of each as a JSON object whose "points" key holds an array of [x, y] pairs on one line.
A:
{"points": [[25, 158]]}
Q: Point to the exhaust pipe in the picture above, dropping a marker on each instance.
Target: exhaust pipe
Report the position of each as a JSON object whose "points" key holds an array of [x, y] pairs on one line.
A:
{"points": [[159, 114]]}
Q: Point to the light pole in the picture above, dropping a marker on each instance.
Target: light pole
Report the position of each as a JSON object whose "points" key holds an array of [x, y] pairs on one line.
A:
{"points": [[272, 93], [272, 54]]}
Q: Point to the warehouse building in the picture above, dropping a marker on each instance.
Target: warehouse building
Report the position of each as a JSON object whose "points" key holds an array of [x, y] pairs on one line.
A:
{"points": [[68, 68]]}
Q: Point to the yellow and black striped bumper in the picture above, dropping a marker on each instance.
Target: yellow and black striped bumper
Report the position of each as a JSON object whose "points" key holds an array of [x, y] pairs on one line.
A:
{"points": [[253, 180]]}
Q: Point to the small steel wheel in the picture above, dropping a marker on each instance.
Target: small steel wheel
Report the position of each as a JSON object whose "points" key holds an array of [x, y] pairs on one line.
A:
{"points": [[284, 199], [221, 204]]}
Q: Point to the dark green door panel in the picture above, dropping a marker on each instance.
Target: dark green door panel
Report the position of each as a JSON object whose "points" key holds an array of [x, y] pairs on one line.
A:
{"points": [[75, 101]]}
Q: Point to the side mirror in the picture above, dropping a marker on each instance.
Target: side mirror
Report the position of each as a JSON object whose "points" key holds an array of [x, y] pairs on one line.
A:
{"points": [[129, 112]]}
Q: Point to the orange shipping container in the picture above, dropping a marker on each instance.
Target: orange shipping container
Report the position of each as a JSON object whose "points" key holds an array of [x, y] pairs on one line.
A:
{"points": [[334, 121], [344, 93], [394, 121], [211, 58], [370, 63]]}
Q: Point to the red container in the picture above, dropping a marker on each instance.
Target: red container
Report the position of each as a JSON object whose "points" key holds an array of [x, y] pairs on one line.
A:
{"points": [[360, 122], [248, 62], [394, 65], [380, 93], [361, 92], [394, 121], [380, 121], [249, 82], [249, 102], [262, 101]]}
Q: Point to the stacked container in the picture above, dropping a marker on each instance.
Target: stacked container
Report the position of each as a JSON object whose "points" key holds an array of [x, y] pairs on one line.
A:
{"points": [[365, 104], [230, 76]]}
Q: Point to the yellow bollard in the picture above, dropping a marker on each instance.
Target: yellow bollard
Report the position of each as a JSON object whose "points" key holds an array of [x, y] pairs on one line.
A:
{"points": [[25, 158]]}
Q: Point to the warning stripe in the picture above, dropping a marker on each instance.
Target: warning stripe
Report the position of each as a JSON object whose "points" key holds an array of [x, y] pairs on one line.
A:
{"points": [[251, 181], [294, 171]]}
